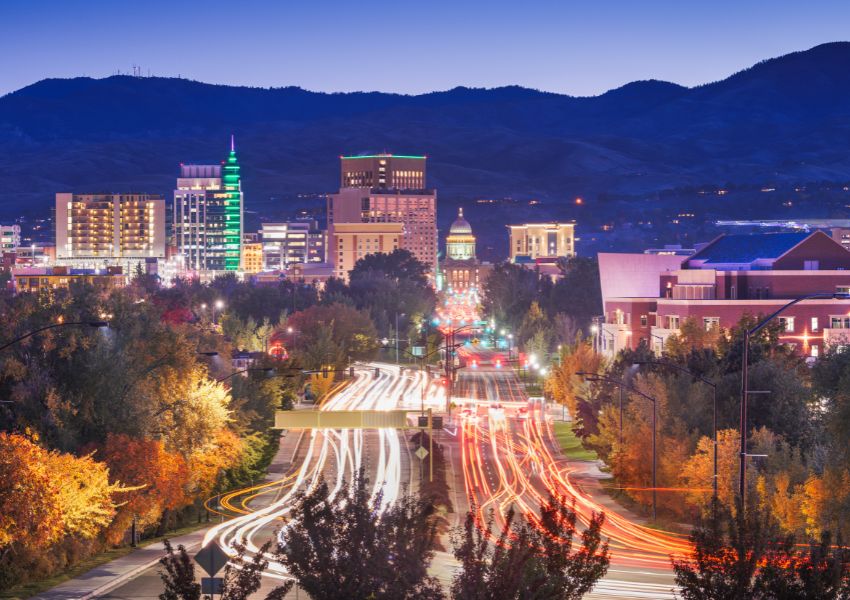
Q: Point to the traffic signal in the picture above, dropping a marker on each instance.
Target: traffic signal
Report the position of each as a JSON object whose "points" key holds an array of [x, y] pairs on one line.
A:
{"points": [[498, 363], [474, 364], [475, 341]]}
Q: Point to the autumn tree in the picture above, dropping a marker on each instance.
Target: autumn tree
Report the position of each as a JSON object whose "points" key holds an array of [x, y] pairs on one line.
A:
{"points": [[356, 547], [569, 389], [161, 477], [31, 511]]}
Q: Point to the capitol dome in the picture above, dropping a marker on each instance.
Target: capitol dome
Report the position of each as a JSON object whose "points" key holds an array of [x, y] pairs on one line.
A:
{"points": [[461, 226]]}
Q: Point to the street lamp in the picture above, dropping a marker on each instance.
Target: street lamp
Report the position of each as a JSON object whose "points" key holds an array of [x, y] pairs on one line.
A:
{"points": [[714, 403], [745, 392], [96, 324], [624, 386], [266, 370]]}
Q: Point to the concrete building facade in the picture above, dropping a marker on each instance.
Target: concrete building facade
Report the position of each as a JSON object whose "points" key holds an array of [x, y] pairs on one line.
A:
{"points": [[353, 241], [530, 242]]}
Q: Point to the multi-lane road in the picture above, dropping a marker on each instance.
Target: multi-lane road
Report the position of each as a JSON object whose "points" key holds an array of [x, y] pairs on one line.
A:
{"points": [[502, 455], [510, 459]]}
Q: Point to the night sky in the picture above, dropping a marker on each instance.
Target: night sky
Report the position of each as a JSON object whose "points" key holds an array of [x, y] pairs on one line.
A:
{"points": [[567, 46]]}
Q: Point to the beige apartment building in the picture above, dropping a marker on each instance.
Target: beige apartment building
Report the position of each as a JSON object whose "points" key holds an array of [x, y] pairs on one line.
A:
{"points": [[530, 242], [94, 230], [353, 241], [252, 257]]}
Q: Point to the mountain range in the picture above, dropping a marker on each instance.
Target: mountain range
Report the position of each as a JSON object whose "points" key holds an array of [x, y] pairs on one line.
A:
{"points": [[782, 121]]}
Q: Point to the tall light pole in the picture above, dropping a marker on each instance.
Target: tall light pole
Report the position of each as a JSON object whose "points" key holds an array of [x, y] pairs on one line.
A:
{"points": [[396, 335], [714, 404], [632, 390], [97, 324], [745, 392]]}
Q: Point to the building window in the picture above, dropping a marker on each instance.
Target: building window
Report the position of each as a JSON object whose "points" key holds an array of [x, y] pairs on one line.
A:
{"points": [[814, 351], [673, 322], [842, 289], [643, 320], [839, 322], [711, 323], [814, 324], [787, 324], [811, 265]]}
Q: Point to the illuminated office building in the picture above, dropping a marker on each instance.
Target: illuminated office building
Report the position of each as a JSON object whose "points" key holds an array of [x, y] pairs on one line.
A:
{"points": [[386, 188]]}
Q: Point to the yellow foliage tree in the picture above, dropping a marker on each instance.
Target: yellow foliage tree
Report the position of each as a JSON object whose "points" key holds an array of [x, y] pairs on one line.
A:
{"points": [[563, 384], [206, 464], [825, 500], [697, 472], [47, 495], [84, 492]]}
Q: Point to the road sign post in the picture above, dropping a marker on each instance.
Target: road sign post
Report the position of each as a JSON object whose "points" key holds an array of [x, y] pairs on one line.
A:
{"points": [[212, 558], [212, 585]]}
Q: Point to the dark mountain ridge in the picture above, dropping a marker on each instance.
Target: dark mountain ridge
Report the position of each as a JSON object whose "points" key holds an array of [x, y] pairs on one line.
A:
{"points": [[785, 119]]}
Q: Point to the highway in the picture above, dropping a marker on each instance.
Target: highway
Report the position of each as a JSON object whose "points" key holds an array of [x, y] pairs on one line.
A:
{"points": [[502, 452]]}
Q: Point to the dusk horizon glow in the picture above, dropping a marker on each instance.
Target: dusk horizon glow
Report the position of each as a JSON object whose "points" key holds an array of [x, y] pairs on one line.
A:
{"points": [[333, 46]]}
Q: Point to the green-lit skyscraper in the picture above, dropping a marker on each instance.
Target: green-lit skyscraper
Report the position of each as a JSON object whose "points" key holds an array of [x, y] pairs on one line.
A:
{"points": [[232, 184], [208, 213]]}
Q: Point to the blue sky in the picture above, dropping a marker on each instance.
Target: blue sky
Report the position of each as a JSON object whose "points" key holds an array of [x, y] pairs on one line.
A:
{"points": [[580, 48]]}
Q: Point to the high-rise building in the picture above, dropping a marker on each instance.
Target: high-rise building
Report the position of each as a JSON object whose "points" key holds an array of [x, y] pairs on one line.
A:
{"points": [[531, 242], [353, 241], [292, 242], [96, 230], [396, 194], [10, 237], [208, 215], [233, 222], [383, 171]]}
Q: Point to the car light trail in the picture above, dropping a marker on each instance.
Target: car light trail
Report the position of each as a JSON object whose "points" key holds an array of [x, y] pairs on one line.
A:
{"points": [[525, 471], [335, 455]]}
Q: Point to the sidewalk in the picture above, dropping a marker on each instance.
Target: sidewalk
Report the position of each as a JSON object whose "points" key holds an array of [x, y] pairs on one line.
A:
{"points": [[101, 580], [104, 578]]}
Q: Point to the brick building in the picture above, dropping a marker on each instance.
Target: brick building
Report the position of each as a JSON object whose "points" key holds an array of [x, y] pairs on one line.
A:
{"points": [[647, 297]]}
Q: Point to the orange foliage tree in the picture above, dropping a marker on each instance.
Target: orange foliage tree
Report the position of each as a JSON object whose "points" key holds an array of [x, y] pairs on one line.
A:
{"points": [[162, 475], [47, 495], [30, 509]]}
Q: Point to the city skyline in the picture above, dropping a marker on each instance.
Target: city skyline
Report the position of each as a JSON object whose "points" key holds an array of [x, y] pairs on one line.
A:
{"points": [[548, 46]]}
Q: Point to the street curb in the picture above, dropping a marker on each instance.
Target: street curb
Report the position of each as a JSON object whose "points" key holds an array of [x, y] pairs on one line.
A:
{"points": [[125, 577]]}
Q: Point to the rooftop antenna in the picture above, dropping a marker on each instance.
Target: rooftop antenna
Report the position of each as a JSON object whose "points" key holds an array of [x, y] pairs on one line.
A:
{"points": [[232, 143]]}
